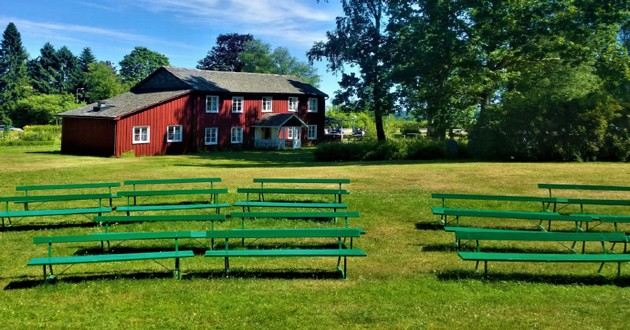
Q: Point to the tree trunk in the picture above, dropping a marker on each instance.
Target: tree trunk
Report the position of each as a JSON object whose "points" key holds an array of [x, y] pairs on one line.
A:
{"points": [[378, 120]]}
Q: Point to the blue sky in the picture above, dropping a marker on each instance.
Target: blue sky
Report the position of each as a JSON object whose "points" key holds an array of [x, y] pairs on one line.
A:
{"points": [[184, 30]]}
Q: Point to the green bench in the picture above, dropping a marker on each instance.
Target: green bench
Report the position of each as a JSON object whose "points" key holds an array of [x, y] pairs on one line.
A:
{"points": [[346, 215], [578, 219], [563, 186], [262, 190], [50, 260], [482, 234], [340, 234], [30, 198], [212, 193], [106, 221], [248, 205], [545, 201]]}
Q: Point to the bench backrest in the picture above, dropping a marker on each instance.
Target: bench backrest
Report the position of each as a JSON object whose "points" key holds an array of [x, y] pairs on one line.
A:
{"points": [[281, 215], [286, 233], [171, 181], [509, 198], [158, 218], [551, 186], [511, 214], [120, 236], [138, 193], [302, 180], [303, 191], [523, 235], [96, 185]]}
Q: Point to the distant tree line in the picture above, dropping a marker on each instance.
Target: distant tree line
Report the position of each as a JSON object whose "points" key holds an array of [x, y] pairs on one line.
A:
{"points": [[529, 80], [33, 91]]}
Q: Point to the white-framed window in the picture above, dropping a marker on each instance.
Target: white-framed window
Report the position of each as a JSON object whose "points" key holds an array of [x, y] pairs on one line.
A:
{"points": [[237, 104], [312, 132], [212, 104], [267, 102], [290, 133], [174, 133], [237, 135], [293, 104], [312, 104], [141, 134], [211, 136]]}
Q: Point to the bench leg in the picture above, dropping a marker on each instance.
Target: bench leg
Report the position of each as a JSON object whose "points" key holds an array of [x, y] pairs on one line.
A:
{"points": [[601, 266], [226, 265], [618, 269], [485, 268], [177, 274], [477, 265], [345, 267], [44, 268]]}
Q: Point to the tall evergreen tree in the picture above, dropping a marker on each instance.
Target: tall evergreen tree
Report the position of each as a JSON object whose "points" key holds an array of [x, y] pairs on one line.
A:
{"points": [[43, 70], [86, 58], [13, 72], [69, 76], [225, 55]]}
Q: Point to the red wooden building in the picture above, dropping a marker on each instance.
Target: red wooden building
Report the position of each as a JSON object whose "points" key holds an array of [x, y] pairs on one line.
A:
{"points": [[183, 110]]}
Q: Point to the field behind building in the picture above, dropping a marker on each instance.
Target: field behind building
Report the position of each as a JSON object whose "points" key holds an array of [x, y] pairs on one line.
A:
{"points": [[412, 277]]}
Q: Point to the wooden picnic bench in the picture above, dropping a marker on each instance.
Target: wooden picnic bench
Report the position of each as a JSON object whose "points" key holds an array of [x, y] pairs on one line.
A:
{"points": [[340, 251], [483, 234], [175, 253], [262, 190], [29, 198], [211, 203], [457, 213]]}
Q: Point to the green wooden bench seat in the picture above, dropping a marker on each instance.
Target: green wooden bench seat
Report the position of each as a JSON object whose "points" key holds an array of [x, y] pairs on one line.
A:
{"points": [[545, 257], [444, 213], [248, 205], [106, 256], [545, 201], [170, 207], [53, 212], [186, 189], [340, 234], [563, 186], [111, 219], [336, 193], [339, 182], [30, 198], [296, 215]]}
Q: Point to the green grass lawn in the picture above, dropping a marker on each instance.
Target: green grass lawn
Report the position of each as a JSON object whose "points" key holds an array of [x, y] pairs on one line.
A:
{"points": [[412, 278]]}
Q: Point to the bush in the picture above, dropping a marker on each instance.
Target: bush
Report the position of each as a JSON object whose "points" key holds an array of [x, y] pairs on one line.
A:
{"points": [[32, 135], [406, 149]]}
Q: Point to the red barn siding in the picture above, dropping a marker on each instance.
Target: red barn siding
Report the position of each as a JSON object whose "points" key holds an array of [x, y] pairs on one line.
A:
{"points": [[173, 112], [87, 136]]}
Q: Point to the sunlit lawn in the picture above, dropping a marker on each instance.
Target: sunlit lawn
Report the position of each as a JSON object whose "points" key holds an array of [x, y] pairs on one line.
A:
{"points": [[412, 278]]}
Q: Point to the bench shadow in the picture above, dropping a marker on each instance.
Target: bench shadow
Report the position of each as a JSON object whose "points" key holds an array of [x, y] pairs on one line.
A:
{"points": [[318, 274], [433, 225], [457, 275], [51, 226], [81, 278]]}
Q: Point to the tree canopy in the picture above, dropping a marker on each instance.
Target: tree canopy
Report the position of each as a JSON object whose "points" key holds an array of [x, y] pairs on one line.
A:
{"points": [[225, 55], [13, 71], [101, 82], [138, 64]]}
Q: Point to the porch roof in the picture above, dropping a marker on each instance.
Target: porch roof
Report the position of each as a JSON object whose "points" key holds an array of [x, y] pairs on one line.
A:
{"points": [[279, 120]]}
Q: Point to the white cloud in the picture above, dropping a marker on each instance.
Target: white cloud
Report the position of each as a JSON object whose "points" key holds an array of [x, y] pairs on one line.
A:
{"points": [[287, 20], [62, 31]]}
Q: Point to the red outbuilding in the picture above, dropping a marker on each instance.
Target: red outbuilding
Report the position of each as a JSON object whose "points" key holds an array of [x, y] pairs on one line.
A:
{"points": [[176, 111]]}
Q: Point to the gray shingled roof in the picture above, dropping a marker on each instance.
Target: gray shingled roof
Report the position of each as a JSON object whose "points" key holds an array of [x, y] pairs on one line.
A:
{"points": [[279, 120], [123, 104], [243, 82]]}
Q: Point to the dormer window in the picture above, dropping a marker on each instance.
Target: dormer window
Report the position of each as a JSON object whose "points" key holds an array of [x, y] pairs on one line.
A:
{"points": [[212, 104]]}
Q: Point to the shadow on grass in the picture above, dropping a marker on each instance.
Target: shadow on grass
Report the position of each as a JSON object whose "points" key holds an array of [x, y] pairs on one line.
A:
{"points": [[47, 152], [457, 275], [48, 226], [433, 225], [210, 274]]}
